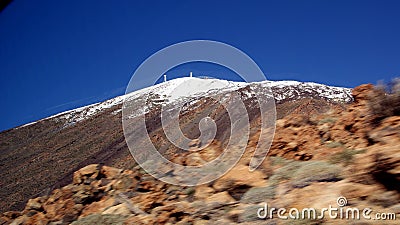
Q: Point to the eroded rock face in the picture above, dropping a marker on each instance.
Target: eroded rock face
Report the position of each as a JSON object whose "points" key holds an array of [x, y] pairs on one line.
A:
{"points": [[362, 92], [381, 165]]}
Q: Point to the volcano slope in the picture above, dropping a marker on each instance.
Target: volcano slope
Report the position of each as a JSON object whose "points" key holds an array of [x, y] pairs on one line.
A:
{"points": [[337, 150], [350, 152]]}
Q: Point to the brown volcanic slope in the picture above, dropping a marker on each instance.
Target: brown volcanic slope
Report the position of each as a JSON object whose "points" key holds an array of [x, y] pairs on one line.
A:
{"points": [[38, 158], [346, 153]]}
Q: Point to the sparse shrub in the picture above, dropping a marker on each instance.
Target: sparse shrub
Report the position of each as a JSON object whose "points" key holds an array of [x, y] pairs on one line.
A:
{"points": [[276, 160], [249, 214], [286, 172], [190, 191], [315, 171], [327, 120], [345, 156], [334, 144], [106, 219], [259, 194], [385, 100]]}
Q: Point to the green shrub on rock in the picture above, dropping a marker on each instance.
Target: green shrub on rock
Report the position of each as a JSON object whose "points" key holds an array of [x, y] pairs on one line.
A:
{"points": [[315, 171], [104, 219], [258, 194]]}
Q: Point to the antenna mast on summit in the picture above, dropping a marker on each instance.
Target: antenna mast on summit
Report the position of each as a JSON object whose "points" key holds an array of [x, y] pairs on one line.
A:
{"points": [[165, 77]]}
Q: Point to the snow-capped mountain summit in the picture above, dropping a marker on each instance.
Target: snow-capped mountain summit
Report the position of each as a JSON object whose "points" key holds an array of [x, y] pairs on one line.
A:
{"points": [[173, 90]]}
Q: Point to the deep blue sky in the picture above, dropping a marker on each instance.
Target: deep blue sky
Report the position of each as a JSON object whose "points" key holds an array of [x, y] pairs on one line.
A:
{"points": [[58, 55], [201, 69]]}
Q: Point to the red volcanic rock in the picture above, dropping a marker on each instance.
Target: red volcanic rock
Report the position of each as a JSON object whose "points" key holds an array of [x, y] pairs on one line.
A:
{"points": [[362, 92]]}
